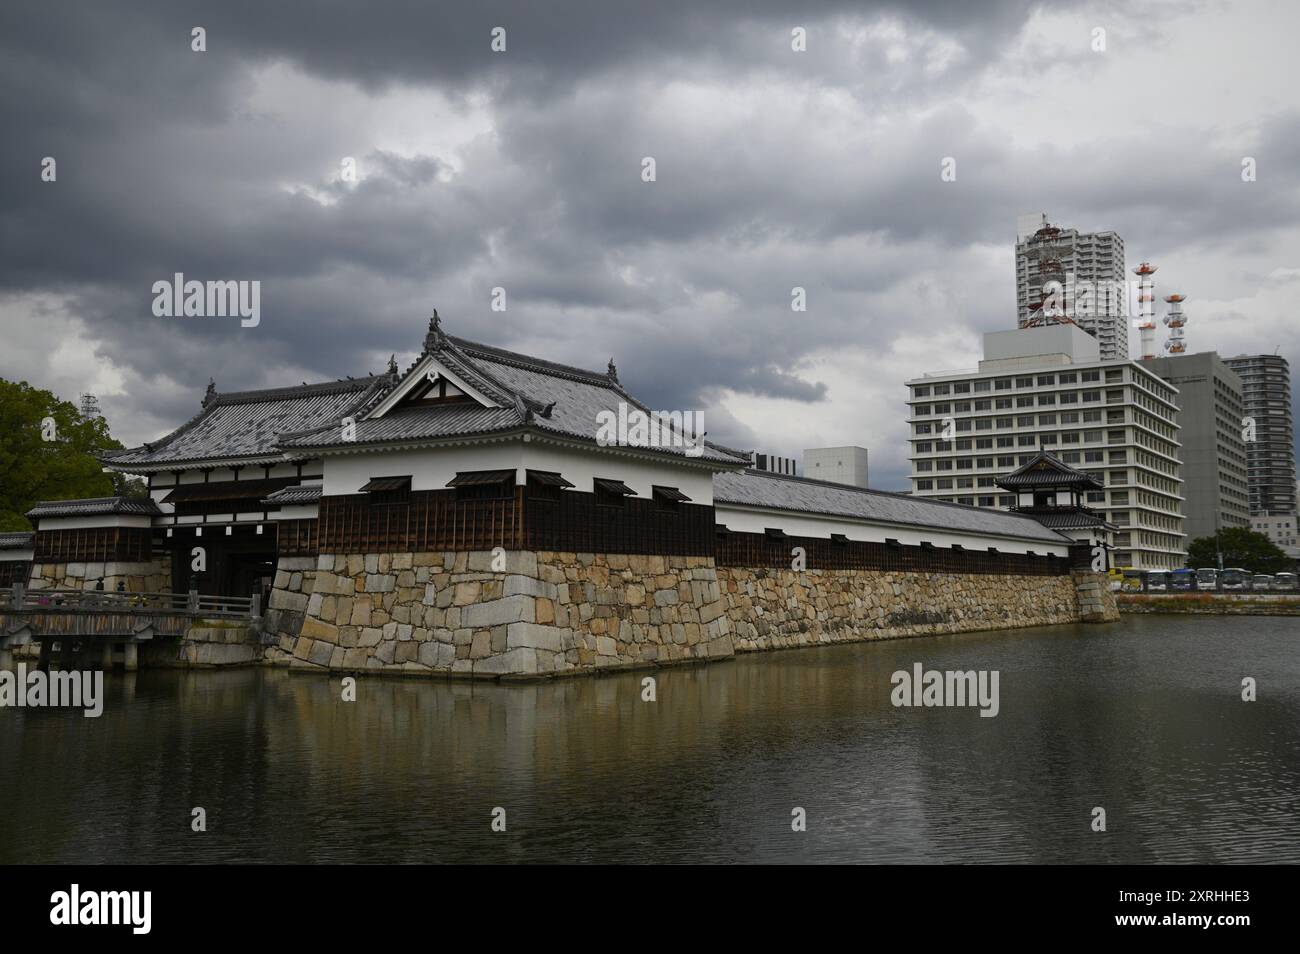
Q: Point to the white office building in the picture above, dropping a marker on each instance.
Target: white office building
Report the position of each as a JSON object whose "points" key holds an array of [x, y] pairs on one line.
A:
{"points": [[1048, 388], [1278, 527], [1095, 291]]}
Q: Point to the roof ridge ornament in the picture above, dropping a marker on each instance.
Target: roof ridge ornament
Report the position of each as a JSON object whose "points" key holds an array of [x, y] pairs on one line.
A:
{"points": [[435, 338], [612, 371], [392, 364], [210, 394]]}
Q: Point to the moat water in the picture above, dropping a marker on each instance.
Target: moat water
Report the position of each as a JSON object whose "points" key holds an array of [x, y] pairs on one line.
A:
{"points": [[1143, 718]]}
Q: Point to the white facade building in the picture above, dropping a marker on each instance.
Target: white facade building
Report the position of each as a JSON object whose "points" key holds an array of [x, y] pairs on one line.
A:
{"points": [[1280, 528], [1095, 282], [1048, 388]]}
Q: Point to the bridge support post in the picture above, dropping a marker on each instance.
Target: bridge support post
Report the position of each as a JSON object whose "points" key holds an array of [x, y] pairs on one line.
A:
{"points": [[107, 661], [6, 658], [130, 656]]}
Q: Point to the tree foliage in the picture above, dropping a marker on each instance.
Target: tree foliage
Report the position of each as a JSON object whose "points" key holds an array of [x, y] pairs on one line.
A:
{"points": [[1241, 547], [64, 468]]}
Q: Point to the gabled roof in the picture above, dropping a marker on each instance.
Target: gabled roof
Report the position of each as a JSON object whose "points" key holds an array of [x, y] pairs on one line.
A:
{"points": [[757, 488], [249, 424], [530, 394], [95, 506], [1047, 470]]}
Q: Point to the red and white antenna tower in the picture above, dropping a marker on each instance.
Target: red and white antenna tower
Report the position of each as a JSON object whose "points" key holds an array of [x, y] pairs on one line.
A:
{"points": [[1146, 322], [1175, 320]]}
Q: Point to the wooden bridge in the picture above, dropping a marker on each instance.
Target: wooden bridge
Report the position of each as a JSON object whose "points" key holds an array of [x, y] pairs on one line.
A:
{"points": [[68, 624]]}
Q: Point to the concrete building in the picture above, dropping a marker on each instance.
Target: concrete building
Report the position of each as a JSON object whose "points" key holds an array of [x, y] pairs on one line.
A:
{"points": [[1047, 388], [839, 465], [1211, 407], [771, 464], [1096, 284], [1280, 528], [1266, 387]]}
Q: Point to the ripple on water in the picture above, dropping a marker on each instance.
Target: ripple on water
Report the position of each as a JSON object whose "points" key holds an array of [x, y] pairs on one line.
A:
{"points": [[1142, 718]]}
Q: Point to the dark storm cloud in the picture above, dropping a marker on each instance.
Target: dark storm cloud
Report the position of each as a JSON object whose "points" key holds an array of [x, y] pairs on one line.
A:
{"points": [[174, 161]]}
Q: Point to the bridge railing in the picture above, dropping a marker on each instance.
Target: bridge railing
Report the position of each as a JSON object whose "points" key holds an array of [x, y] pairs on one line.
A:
{"points": [[108, 601]]}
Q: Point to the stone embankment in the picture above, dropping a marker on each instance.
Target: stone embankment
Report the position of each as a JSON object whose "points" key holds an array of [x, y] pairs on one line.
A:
{"points": [[526, 614], [1213, 604]]}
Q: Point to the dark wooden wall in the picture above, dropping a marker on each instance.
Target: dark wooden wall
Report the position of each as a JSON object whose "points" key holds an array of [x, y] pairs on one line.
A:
{"points": [[297, 537], [429, 520], [576, 523], [96, 544], [434, 520], [13, 571]]}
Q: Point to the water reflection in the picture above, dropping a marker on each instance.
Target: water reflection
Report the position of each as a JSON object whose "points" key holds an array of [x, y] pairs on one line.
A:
{"points": [[1143, 718]]}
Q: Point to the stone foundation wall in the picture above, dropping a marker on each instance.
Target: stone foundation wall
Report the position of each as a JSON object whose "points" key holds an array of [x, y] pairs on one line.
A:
{"points": [[778, 609], [540, 614], [1221, 604], [207, 644], [551, 613], [295, 580], [153, 576]]}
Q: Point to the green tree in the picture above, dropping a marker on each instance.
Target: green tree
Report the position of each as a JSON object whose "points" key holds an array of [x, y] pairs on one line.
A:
{"points": [[1241, 547], [38, 462]]}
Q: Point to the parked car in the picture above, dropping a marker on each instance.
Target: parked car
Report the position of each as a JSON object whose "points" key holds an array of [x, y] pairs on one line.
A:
{"points": [[1207, 578], [1184, 581], [1157, 581], [1286, 581], [1261, 581], [1235, 578]]}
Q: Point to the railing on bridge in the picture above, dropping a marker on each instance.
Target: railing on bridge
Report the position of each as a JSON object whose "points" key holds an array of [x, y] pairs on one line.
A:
{"points": [[106, 601]]}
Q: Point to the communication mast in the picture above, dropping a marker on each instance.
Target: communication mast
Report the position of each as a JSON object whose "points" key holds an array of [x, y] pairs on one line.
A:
{"points": [[1053, 307], [89, 407], [1175, 320], [1146, 323]]}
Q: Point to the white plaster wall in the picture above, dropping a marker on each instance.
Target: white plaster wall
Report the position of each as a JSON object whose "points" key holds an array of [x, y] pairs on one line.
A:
{"points": [[298, 512], [811, 525], [432, 468], [580, 467]]}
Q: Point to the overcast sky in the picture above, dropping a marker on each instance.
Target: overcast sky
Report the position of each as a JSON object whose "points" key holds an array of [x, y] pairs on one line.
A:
{"points": [[522, 169]]}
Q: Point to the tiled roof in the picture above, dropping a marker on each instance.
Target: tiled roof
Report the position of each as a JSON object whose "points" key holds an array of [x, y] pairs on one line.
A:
{"points": [[534, 394], [417, 423], [308, 494], [16, 541], [95, 506], [754, 488], [1048, 470], [250, 423], [1069, 519]]}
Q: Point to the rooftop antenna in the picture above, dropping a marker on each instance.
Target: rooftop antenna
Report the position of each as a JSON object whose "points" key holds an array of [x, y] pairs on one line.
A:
{"points": [[1175, 320], [1146, 309]]}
